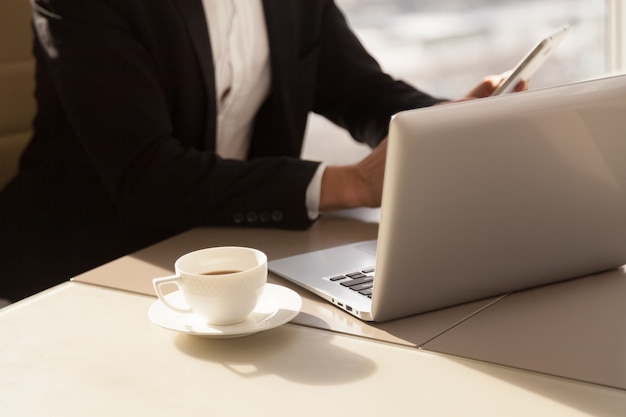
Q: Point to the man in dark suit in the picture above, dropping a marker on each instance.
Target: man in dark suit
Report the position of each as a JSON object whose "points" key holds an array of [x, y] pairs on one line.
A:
{"points": [[125, 148]]}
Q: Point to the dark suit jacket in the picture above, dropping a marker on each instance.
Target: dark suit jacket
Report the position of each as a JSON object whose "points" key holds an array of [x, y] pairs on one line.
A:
{"points": [[123, 149]]}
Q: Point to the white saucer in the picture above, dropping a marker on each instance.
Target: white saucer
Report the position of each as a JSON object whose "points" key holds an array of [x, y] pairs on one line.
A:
{"points": [[277, 306]]}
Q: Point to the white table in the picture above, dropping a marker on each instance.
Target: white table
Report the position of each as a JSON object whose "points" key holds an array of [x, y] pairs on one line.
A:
{"points": [[134, 273], [82, 350], [574, 329]]}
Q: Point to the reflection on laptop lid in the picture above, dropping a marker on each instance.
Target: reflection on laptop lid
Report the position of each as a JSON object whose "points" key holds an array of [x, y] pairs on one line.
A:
{"points": [[486, 197]]}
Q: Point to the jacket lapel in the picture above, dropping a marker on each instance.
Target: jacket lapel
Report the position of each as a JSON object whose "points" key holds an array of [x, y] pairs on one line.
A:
{"points": [[275, 123], [192, 13], [280, 32]]}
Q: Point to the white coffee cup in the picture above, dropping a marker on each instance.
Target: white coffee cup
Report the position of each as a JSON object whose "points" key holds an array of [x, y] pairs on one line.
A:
{"points": [[221, 284]]}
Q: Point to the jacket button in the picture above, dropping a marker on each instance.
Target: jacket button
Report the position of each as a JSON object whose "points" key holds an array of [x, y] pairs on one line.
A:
{"points": [[252, 217], [277, 216], [239, 218], [265, 216]]}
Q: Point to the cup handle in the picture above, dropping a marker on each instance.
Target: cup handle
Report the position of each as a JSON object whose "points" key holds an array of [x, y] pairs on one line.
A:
{"points": [[158, 283]]}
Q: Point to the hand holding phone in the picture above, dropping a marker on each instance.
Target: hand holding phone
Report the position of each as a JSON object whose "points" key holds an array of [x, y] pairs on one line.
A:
{"points": [[525, 69]]}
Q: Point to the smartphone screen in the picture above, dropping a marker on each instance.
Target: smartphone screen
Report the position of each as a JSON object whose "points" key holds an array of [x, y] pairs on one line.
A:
{"points": [[525, 69]]}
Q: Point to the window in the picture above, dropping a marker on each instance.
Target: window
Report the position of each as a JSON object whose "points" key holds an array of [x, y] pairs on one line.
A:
{"points": [[445, 47], [616, 36]]}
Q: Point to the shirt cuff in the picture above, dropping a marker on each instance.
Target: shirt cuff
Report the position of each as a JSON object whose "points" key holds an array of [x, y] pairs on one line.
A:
{"points": [[313, 193]]}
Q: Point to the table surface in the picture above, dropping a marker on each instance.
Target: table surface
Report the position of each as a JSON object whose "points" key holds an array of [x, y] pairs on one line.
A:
{"points": [[80, 349], [134, 273], [574, 329]]}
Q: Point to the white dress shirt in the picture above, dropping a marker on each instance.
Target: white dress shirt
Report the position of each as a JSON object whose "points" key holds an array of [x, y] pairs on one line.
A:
{"points": [[240, 48], [242, 70]]}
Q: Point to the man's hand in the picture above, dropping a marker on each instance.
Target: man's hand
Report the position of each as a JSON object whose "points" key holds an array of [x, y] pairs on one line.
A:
{"points": [[358, 185], [489, 84], [361, 184]]}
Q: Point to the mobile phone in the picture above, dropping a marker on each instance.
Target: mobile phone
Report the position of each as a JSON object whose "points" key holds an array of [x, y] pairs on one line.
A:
{"points": [[525, 69]]}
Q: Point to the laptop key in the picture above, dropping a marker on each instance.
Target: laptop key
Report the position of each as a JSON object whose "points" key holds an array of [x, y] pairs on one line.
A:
{"points": [[361, 281], [368, 292], [361, 287], [358, 281], [337, 278]]}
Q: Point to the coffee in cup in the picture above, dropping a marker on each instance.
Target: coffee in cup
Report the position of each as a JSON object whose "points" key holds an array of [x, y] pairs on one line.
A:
{"points": [[222, 285]]}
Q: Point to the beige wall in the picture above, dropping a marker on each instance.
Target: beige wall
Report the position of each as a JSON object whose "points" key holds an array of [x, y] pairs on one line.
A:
{"points": [[17, 105]]}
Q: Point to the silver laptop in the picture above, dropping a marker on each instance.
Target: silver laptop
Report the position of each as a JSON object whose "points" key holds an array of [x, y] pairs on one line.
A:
{"points": [[483, 198]]}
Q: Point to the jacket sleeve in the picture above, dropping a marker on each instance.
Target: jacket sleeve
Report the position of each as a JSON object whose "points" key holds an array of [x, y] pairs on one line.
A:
{"points": [[352, 89], [128, 79]]}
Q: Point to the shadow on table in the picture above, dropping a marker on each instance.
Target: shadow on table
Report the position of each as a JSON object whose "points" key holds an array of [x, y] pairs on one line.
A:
{"points": [[298, 355], [574, 329]]}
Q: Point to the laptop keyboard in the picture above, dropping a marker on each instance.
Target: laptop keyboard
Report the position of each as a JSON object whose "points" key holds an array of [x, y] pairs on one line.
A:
{"points": [[361, 281]]}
